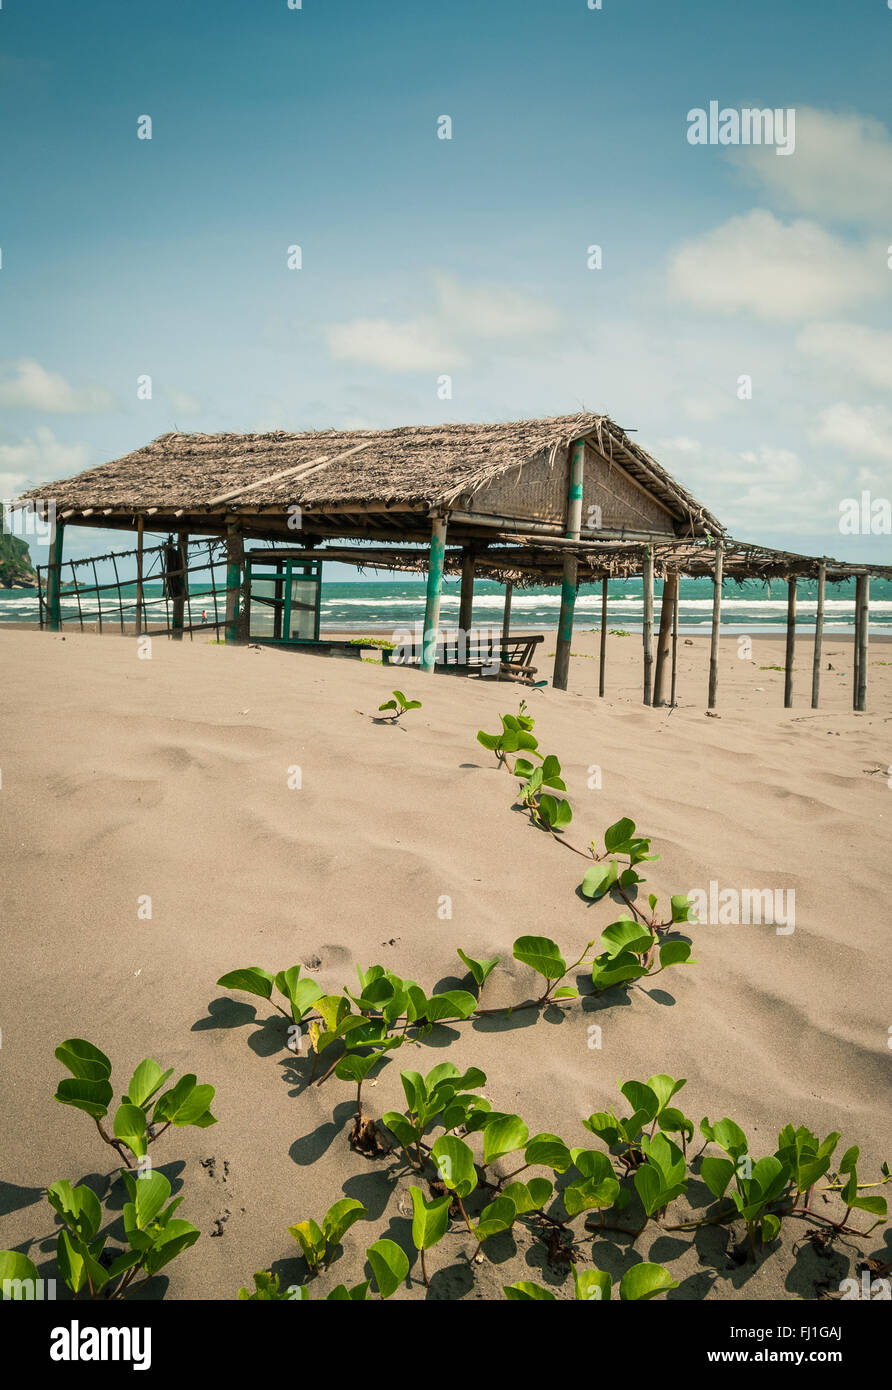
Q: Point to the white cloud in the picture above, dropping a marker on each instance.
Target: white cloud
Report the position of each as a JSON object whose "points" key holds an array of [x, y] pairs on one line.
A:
{"points": [[841, 169], [865, 430], [34, 388], [851, 348], [757, 263], [183, 403], [35, 459], [444, 336]]}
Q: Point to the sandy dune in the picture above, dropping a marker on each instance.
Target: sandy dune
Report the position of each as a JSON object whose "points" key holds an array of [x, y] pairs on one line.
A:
{"points": [[168, 777]]}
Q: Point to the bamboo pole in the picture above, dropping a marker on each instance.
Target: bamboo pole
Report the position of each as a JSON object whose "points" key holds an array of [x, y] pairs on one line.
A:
{"points": [[506, 615], [862, 607], [716, 622], [54, 576], [570, 567], [235, 559], [791, 643], [664, 641], [139, 549], [647, 630], [602, 660], [466, 602], [856, 647], [819, 637], [435, 567]]}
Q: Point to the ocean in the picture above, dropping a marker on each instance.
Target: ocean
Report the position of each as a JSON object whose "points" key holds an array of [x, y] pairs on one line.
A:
{"points": [[385, 605]]}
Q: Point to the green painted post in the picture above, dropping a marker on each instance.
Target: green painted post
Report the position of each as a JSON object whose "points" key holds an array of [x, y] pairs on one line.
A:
{"points": [[54, 577], [235, 557], [571, 568], [435, 567]]}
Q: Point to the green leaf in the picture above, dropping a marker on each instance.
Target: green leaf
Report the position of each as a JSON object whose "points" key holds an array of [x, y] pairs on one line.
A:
{"points": [[311, 1241], [430, 1220], [607, 972], [186, 1104], [390, 1265], [77, 1264], [176, 1237], [503, 1136], [542, 954], [480, 969], [592, 1285], [90, 1096], [452, 1003], [339, 1218], [145, 1081], [530, 1196], [15, 1267], [681, 908], [251, 979], [730, 1137], [130, 1128], [498, 1216], [79, 1208], [618, 834], [341, 1294], [555, 811], [525, 1291], [84, 1060], [676, 953], [626, 935], [388, 704], [644, 1281], [151, 1191], [454, 1162], [599, 879], [548, 1150]]}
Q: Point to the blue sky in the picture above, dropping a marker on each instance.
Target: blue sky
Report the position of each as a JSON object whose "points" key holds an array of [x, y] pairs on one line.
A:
{"points": [[466, 257]]}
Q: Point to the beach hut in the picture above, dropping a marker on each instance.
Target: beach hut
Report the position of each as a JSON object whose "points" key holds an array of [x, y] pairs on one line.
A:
{"points": [[549, 501]]}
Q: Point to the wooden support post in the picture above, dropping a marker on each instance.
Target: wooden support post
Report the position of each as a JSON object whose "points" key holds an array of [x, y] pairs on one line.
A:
{"points": [[819, 636], [178, 607], [664, 641], [862, 628], [235, 561], [647, 633], [506, 615], [54, 576], [571, 567], [791, 643], [672, 699], [434, 591], [716, 622], [466, 602], [602, 659], [139, 597]]}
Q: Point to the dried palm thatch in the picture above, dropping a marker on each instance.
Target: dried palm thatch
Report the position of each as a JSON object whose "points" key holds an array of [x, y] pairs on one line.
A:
{"points": [[428, 465]]}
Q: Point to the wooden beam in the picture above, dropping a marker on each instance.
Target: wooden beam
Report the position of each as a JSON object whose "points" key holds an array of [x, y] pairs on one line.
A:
{"points": [[575, 467], [819, 636], [298, 473], [647, 628], [718, 576], [436, 559], [602, 660], [664, 641], [791, 644], [672, 700], [466, 603], [862, 640]]}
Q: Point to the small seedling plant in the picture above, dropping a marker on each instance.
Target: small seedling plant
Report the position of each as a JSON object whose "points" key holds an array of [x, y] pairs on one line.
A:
{"points": [[320, 1243], [399, 705], [516, 736], [89, 1089], [639, 1284]]}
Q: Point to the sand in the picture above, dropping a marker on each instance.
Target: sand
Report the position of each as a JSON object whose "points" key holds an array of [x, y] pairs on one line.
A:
{"points": [[168, 777]]}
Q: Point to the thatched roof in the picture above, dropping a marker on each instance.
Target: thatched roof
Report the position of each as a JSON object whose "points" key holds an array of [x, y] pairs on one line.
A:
{"points": [[427, 464]]}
